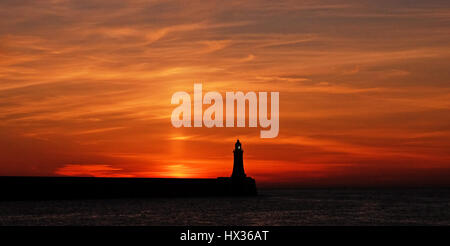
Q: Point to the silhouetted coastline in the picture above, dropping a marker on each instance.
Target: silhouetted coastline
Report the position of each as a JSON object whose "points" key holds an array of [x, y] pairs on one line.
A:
{"points": [[43, 188]]}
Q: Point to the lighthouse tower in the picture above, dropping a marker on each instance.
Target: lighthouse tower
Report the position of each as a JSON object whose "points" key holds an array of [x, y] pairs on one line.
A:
{"points": [[238, 166]]}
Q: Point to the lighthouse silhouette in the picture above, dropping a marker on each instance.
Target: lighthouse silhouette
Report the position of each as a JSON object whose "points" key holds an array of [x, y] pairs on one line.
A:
{"points": [[238, 166]]}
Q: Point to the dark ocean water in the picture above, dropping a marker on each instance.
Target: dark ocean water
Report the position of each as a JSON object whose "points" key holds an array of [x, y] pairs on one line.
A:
{"points": [[271, 207]]}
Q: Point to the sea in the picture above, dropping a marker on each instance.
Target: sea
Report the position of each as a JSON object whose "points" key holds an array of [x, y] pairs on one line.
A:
{"points": [[272, 207]]}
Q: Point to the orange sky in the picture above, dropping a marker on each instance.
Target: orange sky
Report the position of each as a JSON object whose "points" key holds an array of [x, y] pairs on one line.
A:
{"points": [[85, 88]]}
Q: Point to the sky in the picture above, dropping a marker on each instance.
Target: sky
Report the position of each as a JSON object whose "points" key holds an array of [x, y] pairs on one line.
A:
{"points": [[86, 86]]}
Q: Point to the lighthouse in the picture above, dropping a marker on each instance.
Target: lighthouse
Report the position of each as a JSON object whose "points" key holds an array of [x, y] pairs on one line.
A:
{"points": [[238, 166]]}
